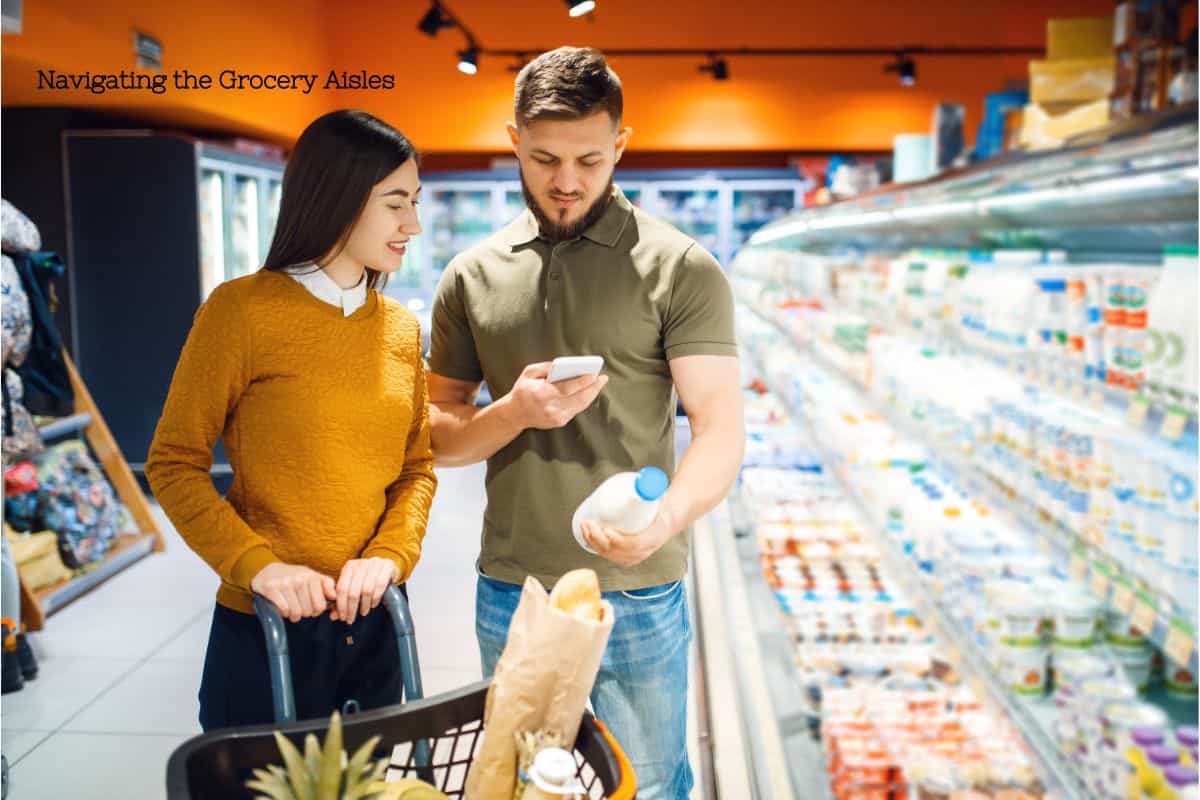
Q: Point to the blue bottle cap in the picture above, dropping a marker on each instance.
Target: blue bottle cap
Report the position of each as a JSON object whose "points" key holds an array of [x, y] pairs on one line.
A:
{"points": [[651, 483]]}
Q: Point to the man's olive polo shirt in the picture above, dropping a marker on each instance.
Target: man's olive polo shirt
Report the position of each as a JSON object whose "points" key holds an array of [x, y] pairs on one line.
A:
{"points": [[632, 289]]}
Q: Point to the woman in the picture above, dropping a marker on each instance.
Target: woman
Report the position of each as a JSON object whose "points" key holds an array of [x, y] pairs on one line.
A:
{"points": [[316, 385]]}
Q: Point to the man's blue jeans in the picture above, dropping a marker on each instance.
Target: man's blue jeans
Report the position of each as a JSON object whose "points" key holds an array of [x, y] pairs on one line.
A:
{"points": [[641, 691]]}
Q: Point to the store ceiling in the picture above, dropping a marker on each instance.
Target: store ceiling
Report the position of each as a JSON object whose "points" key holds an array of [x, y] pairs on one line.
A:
{"points": [[769, 104]]}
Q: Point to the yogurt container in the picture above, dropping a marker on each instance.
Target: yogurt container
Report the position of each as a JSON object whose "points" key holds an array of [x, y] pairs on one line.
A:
{"points": [[1121, 719], [1076, 616], [1181, 681], [1122, 631], [1071, 671], [1024, 669], [1020, 618], [1136, 662]]}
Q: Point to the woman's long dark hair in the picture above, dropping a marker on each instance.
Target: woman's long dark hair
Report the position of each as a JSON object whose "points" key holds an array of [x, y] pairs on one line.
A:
{"points": [[336, 162]]}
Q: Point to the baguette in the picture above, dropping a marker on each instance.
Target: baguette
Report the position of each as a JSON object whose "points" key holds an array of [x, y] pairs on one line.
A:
{"points": [[578, 593]]}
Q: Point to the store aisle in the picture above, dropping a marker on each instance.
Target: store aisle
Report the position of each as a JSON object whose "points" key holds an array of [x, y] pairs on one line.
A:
{"points": [[120, 667]]}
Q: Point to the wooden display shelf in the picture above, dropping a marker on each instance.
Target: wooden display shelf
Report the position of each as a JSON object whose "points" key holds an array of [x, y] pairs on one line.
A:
{"points": [[129, 548]]}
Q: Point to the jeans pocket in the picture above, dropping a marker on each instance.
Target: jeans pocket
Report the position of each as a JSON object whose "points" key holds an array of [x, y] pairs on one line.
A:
{"points": [[494, 584], [653, 592]]}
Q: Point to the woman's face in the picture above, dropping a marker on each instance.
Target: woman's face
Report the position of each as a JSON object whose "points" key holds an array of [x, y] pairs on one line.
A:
{"points": [[380, 235]]}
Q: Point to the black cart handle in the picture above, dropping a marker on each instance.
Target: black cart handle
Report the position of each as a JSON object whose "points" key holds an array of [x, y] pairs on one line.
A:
{"points": [[282, 690]]}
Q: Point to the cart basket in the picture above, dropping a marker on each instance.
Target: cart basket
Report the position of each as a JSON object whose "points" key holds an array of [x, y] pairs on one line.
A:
{"points": [[217, 765]]}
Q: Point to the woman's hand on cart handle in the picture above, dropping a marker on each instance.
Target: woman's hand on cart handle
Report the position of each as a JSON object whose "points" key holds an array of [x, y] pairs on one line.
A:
{"points": [[298, 592], [361, 586]]}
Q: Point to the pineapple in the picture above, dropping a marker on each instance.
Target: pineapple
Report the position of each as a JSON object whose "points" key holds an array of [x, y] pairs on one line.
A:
{"points": [[324, 773]]}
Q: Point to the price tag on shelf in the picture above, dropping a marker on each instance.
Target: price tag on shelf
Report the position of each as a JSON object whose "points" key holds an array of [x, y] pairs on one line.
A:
{"points": [[1096, 399], [1144, 614], [1180, 643], [1123, 599], [1139, 406], [1099, 584], [1079, 567], [1175, 423]]}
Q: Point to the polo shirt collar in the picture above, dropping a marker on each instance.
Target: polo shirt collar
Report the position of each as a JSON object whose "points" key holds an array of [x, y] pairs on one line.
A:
{"points": [[606, 231]]}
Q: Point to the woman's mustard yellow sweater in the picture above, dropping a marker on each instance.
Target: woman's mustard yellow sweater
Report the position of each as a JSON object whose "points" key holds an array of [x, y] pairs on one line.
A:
{"points": [[326, 425]]}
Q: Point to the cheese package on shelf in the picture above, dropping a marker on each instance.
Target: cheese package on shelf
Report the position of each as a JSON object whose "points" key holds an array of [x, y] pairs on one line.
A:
{"points": [[1076, 80], [1079, 37]]}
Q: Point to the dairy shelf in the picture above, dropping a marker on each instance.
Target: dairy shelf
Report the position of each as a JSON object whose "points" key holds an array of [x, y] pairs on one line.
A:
{"points": [[1112, 582]]}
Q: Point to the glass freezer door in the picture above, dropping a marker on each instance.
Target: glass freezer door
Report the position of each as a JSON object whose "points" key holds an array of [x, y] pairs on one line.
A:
{"points": [[212, 231], [696, 212], [244, 228], [458, 219], [753, 208]]}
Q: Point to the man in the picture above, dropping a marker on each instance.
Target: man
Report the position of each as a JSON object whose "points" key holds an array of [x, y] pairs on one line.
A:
{"points": [[582, 272]]}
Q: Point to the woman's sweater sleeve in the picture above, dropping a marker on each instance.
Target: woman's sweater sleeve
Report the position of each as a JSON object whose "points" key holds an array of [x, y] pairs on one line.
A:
{"points": [[214, 370], [402, 527]]}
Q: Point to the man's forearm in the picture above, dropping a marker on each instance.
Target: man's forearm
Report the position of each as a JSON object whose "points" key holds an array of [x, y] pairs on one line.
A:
{"points": [[464, 434], [705, 475]]}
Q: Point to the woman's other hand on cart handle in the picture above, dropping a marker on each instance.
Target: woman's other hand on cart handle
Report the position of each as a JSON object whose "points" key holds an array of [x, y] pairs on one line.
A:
{"points": [[361, 586], [298, 592]]}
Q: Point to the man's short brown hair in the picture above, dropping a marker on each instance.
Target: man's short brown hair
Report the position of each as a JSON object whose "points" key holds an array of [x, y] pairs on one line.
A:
{"points": [[567, 83]]}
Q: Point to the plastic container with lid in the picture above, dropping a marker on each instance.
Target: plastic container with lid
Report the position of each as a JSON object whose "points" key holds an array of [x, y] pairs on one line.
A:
{"points": [[1181, 681], [1182, 781], [1136, 662], [1147, 736], [1071, 669], [1120, 719], [1122, 630], [1024, 668], [1020, 616], [1076, 616]]}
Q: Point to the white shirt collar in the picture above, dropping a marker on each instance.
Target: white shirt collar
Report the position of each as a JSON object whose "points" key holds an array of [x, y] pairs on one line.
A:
{"points": [[325, 288]]}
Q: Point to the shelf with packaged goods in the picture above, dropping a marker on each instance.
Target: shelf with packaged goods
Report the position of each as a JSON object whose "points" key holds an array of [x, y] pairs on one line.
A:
{"points": [[1149, 416], [1033, 718], [1117, 584], [1130, 195]]}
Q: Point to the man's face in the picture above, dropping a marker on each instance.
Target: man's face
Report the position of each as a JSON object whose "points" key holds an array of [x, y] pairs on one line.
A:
{"points": [[567, 169]]}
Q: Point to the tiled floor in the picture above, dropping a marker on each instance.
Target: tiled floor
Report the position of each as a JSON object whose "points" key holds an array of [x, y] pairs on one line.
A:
{"points": [[120, 667]]}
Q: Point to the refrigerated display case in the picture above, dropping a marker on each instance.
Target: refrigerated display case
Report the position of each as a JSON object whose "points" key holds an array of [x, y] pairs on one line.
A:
{"points": [[984, 409], [720, 209], [156, 222]]}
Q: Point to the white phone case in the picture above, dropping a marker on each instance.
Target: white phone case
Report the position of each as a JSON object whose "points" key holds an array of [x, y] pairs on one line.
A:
{"points": [[566, 367]]}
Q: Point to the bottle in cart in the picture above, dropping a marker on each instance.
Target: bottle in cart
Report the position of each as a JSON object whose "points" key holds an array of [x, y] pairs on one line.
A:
{"points": [[627, 502], [553, 777]]}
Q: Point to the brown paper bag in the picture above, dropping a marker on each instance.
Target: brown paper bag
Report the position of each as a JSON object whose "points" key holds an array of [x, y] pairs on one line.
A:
{"points": [[542, 682]]}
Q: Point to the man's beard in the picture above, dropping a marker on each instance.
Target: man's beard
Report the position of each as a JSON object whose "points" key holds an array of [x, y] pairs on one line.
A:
{"points": [[557, 232]]}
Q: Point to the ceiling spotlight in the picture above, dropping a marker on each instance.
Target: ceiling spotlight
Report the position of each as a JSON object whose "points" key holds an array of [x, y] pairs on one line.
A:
{"points": [[435, 19], [719, 68], [468, 60], [905, 67], [577, 8]]}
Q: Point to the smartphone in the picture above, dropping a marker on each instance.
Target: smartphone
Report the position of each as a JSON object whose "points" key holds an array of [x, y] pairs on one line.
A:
{"points": [[566, 367]]}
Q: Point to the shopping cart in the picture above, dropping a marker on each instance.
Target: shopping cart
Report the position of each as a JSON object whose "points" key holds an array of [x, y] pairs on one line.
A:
{"points": [[432, 739]]}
